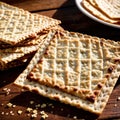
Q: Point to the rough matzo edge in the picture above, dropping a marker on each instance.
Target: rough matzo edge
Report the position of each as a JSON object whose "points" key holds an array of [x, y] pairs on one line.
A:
{"points": [[18, 62], [25, 45], [97, 107], [6, 57], [89, 6], [28, 42], [17, 53], [14, 30], [56, 72], [78, 102], [34, 41]]}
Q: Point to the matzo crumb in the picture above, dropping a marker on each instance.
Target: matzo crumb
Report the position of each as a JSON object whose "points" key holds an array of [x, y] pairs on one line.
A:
{"points": [[50, 104], [34, 111], [115, 105], [34, 115], [6, 113], [43, 115], [6, 90], [31, 102], [14, 106], [2, 104], [43, 105], [19, 112], [11, 113], [9, 105], [29, 109], [2, 113], [75, 117], [118, 98], [37, 106]]}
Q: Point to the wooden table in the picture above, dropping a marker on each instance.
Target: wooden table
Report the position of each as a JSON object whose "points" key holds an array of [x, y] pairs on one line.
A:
{"points": [[72, 20]]}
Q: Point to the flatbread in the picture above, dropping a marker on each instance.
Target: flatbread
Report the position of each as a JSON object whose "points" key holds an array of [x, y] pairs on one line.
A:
{"points": [[97, 107], [74, 66], [32, 41], [18, 62], [110, 7], [17, 24], [91, 7], [12, 54], [42, 71]]}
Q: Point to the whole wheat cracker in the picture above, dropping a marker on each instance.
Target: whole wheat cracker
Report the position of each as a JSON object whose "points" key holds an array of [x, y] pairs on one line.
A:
{"points": [[55, 93], [28, 42], [17, 62], [63, 67], [109, 7], [4, 47], [91, 7], [97, 107], [17, 24], [34, 41], [12, 54]]}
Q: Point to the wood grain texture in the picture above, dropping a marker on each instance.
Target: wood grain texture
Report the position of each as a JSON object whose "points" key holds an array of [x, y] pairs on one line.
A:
{"points": [[40, 5], [72, 20]]}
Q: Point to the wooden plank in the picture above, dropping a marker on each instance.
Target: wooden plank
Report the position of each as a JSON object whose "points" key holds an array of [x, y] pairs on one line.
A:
{"points": [[39, 5]]}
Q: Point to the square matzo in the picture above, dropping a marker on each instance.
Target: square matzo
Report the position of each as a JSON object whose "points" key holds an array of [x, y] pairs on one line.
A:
{"points": [[17, 24], [76, 69]]}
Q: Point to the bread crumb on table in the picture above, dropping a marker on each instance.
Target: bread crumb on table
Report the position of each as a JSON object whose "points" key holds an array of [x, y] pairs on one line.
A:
{"points": [[118, 98], [9, 105], [43, 115], [115, 105], [75, 117], [43, 105], [14, 106], [2, 113], [34, 111], [29, 109], [34, 115], [31, 102], [6, 90], [19, 112]]}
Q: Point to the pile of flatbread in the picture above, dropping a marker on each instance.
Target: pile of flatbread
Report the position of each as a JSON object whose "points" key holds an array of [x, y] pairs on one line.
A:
{"points": [[21, 34], [106, 10], [73, 68]]}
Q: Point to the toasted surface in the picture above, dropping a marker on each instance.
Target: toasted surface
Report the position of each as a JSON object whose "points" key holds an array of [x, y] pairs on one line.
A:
{"points": [[91, 7], [14, 30], [69, 55]]}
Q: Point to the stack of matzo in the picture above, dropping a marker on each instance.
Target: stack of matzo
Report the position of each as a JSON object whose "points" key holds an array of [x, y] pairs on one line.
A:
{"points": [[76, 69], [106, 10], [21, 34]]}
